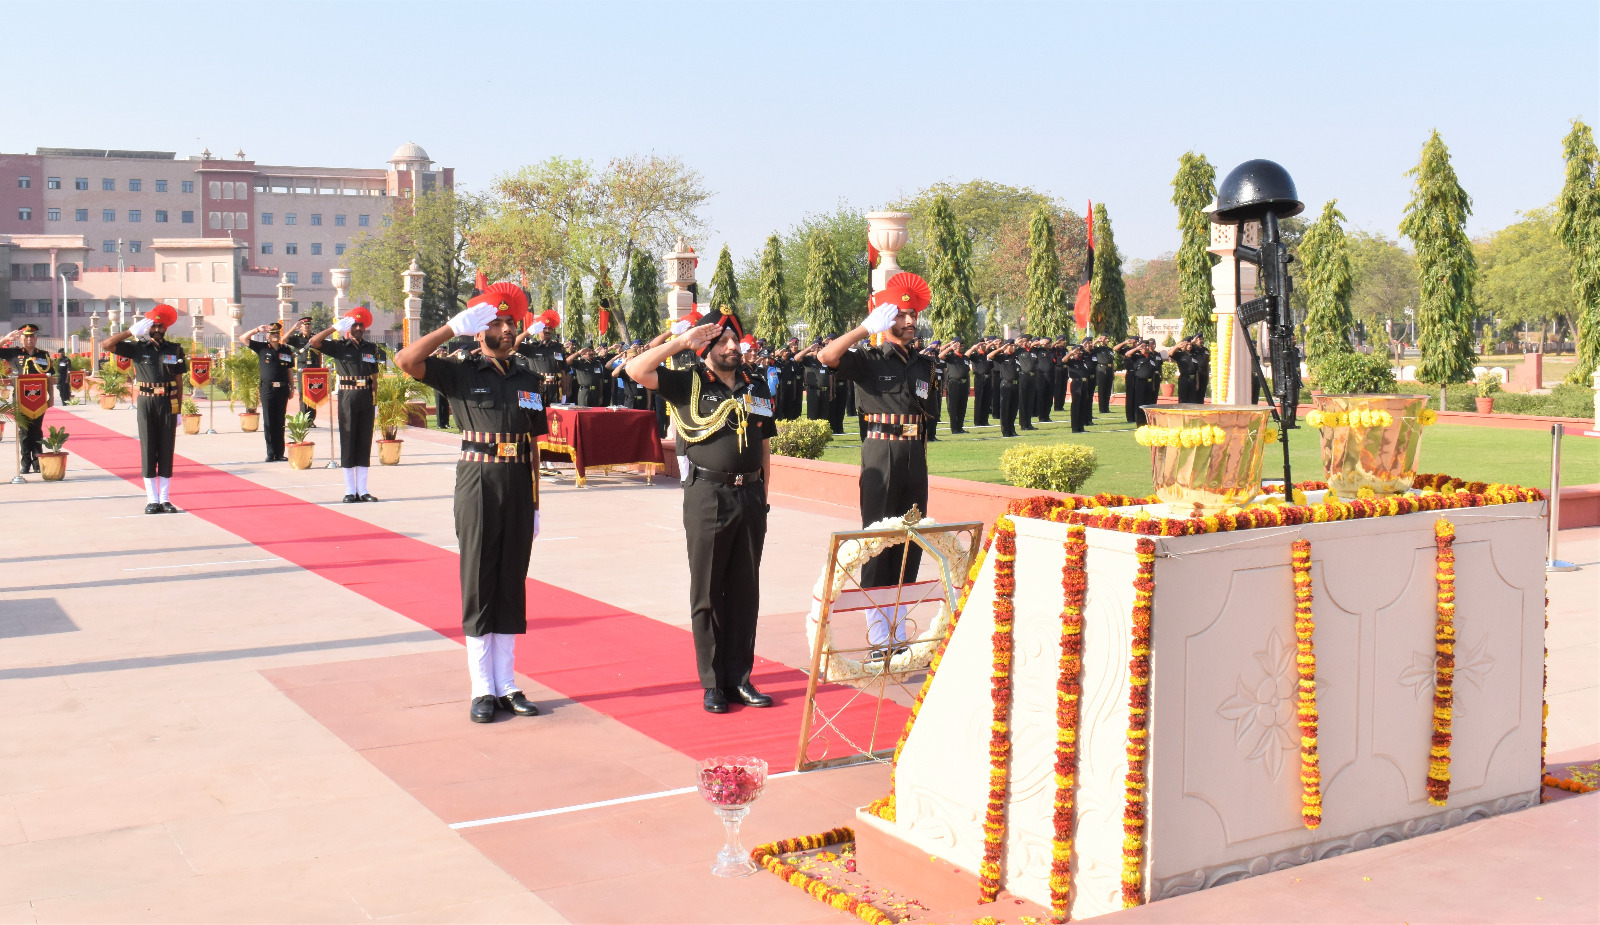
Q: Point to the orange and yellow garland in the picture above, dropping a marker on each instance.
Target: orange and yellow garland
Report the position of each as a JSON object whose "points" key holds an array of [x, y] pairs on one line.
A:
{"points": [[1133, 811], [1444, 661], [1069, 694], [994, 818], [768, 856], [1306, 706]]}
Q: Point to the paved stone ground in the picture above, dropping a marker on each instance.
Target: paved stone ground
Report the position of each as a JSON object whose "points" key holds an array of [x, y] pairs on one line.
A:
{"points": [[192, 729]]}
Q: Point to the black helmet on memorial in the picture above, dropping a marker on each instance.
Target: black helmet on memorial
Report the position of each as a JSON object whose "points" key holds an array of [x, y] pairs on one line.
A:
{"points": [[1255, 188]]}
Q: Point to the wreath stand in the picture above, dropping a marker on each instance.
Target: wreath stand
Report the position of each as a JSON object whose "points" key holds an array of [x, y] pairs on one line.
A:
{"points": [[952, 547]]}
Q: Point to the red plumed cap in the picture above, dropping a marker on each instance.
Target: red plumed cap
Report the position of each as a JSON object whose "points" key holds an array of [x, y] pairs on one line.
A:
{"points": [[907, 291], [508, 299], [163, 314], [361, 314], [550, 319]]}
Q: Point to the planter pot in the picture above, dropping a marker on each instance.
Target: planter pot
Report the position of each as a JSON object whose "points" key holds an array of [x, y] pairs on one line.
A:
{"points": [[389, 452], [191, 423], [1382, 457], [108, 402], [1167, 390], [1202, 479], [300, 455], [53, 466], [250, 422], [1485, 405]]}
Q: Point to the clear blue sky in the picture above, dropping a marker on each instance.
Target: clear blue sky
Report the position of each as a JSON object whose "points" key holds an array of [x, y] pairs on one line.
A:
{"points": [[790, 108]]}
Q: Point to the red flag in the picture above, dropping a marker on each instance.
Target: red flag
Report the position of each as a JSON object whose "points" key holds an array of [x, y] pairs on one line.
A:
{"points": [[33, 395], [76, 377], [123, 363], [199, 370], [1080, 309], [605, 321], [313, 387]]}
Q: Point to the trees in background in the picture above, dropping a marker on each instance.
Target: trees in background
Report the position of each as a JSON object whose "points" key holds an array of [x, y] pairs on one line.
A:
{"points": [[644, 282], [1525, 276], [724, 289], [1108, 314], [1578, 228], [574, 326], [1193, 188], [1046, 307], [1436, 222], [953, 310], [435, 228], [825, 300], [1152, 287], [772, 303], [1327, 283]]}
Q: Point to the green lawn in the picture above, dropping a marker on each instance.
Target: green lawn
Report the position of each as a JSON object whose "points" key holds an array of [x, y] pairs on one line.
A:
{"points": [[1519, 457]]}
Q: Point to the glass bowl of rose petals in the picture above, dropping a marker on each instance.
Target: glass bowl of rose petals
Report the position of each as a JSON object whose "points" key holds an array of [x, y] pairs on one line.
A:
{"points": [[730, 785]]}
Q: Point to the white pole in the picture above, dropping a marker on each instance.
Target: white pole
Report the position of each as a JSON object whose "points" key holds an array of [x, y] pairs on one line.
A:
{"points": [[1553, 562]]}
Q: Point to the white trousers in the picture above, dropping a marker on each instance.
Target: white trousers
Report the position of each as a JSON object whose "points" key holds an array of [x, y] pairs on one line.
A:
{"points": [[884, 622], [489, 661]]}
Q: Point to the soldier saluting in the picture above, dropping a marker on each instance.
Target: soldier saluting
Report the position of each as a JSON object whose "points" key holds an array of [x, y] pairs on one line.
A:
{"points": [[158, 368], [545, 355], [497, 402], [358, 361], [28, 360], [276, 361]]}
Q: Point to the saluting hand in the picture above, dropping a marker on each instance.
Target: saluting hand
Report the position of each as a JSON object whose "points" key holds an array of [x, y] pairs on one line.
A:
{"points": [[697, 337]]}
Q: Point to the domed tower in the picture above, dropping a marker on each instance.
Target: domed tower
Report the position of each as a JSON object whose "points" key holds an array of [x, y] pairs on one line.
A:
{"points": [[411, 169]]}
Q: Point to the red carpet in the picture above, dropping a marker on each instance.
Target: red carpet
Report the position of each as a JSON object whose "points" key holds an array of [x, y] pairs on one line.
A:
{"points": [[601, 656]]}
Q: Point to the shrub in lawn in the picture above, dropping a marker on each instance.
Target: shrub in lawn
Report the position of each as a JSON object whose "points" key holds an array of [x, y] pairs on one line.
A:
{"points": [[1354, 374], [802, 438], [1062, 467]]}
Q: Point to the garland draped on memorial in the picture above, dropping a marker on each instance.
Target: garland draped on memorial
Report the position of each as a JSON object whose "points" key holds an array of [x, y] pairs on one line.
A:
{"points": [[994, 817], [1444, 661], [1306, 705], [768, 856], [1133, 811], [1069, 693]]}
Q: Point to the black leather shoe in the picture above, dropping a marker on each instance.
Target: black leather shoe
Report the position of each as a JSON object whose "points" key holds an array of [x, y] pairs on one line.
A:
{"points": [[483, 708], [716, 701], [271, 458], [351, 499], [518, 704], [167, 507], [748, 695], [153, 507], [368, 498]]}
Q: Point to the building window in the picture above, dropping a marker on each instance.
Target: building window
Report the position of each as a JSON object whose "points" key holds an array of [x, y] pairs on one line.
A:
{"points": [[216, 219], [109, 247], [316, 277], [289, 218], [135, 186], [216, 189], [41, 271], [266, 247], [363, 220], [161, 186], [25, 214], [338, 250], [242, 221], [81, 183], [316, 250], [52, 215], [108, 215], [161, 215], [188, 186], [80, 215], [241, 190], [293, 276], [135, 215], [52, 183], [316, 218], [107, 184], [338, 221], [24, 183], [41, 306], [188, 218], [135, 247], [266, 218], [19, 306], [291, 248], [227, 221]]}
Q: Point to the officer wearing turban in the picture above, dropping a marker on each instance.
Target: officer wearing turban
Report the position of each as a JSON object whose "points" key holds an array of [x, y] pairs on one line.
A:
{"points": [[158, 369], [358, 362]]}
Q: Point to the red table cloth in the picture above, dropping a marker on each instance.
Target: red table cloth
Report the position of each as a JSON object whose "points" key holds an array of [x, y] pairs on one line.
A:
{"points": [[602, 437]]}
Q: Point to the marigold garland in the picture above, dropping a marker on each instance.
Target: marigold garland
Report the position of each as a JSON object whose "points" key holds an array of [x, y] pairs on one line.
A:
{"points": [[1133, 812], [1306, 706], [1202, 435], [1581, 779], [1069, 693], [1444, 662], [768, 856], [994, 818]]}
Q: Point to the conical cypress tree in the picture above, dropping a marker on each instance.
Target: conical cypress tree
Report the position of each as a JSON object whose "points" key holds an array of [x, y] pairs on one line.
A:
{"points": [[1108, 312], [952, 311], [772, 305], [825, 288], [576, 328], [1192, 190], [547, 302], [604, 297], [1436, 222], [991, 321], [644, 284], [1578, 227], [1046, 302], [1327, 283], [724, 288]]}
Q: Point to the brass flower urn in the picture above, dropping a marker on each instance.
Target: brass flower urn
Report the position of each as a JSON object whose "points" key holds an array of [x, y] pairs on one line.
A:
{"points": [[1206, 458], [1370, 441]]}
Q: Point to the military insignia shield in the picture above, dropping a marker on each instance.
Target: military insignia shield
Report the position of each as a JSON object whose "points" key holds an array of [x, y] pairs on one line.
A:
{"points": [[199, 370], [314, 387], [33, 395]]}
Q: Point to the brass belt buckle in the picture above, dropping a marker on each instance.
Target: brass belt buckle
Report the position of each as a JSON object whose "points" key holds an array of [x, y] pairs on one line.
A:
{"points": [[505, 449], [738, 480], [911, 430]]}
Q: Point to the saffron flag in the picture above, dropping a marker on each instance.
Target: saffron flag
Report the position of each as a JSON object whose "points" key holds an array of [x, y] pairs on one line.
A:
{"points": [[313, 386], [199, 370], [33, 395], [1080, 309]]}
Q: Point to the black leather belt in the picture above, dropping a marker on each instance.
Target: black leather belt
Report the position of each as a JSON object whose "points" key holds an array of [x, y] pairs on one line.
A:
{"points": [[159, 389], [496, 452], [894, 431], [727, 478]]}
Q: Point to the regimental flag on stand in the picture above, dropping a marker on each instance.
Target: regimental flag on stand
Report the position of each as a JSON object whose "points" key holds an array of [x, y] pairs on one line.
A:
{"points": [[314, 387], [1081, 308], [76, 378], [199, 370], [122, 363], [33, 395]]}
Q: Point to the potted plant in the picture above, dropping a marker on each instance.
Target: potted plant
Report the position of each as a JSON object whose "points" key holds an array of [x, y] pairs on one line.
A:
{"points": [[115, 385], [1169, 379], [53, 461], [392, 396], [1487, 385], [191, 416], [244, 387], [297, 426]]}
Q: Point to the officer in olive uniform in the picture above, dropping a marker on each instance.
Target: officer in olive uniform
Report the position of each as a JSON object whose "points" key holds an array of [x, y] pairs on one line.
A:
{"points": [[303, 359], [726, 417], [158, 369], [1008, 377], [276, 361], [498, 404], [1130, 400], [897, 393], [588, 376], [1080, 368], [358, 362], [545, 355], [982, 390], [816, 380], [957, 372], [28, 360], [1105, 369]]}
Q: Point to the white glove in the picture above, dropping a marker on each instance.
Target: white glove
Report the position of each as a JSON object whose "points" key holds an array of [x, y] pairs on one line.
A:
{"points": [[536, 523], [141, 328], [881, 319], [473, 320], [535, 329], [678, 327], [343, 325]]}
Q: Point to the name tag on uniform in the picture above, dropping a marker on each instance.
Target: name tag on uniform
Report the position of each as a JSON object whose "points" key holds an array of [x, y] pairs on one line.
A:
{"points": [[368, 358], [560, 355], [922, 388], [761, 406], [505, 449], [169, 359], [285, 358], [532, 401]]}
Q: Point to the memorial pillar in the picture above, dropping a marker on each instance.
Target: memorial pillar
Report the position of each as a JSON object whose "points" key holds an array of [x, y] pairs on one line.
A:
{"points": [[887, 232], [680, 273], [1233, 282]]}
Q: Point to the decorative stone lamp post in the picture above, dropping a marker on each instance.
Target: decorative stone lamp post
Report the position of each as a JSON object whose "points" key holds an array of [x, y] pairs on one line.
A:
{"points": [[1233, 282], [411, 284], [680, 274], [94, 348], [197, 320], [285, 299], [341, 290], [235, 316], [887, 232]]}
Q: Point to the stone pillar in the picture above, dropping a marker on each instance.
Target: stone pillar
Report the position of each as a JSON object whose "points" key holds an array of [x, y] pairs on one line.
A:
{"points": [[94, 347], [887, 232], [680, 273], [1232, 282], [411, 285], [285, 299], [235, 316], [341, 292]]}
